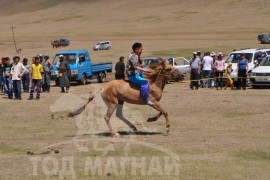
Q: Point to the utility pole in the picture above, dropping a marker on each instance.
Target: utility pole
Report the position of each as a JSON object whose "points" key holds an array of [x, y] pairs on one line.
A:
{"points": [[14, 39]]}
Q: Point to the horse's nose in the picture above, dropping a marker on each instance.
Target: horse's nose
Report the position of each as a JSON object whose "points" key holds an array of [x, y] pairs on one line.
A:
{"points": [[180, 77]]}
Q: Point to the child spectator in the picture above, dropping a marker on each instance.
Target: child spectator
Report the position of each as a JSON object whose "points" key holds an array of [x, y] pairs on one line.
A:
{"points": [[36, 74], [228, 72]]}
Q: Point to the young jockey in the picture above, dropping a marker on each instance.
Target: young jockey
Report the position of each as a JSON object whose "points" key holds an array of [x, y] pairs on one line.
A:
{"points": [[135, 69]]}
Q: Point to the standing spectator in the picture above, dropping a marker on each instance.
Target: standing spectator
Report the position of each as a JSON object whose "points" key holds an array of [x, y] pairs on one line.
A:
{"points": [[42, 62], [195, 64], [213, 73], [120, 69], [36, 74], [228, 72], [33, 60], [47, 74], [26, 76], [199, 53], [242, 69], [41, 59], [220, 68], [17, 71], [2, 74], [64, 73], [207, 64], [8, 80]]}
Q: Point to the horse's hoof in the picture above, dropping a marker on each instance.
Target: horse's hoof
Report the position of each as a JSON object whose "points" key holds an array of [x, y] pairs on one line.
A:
{"points": [[116, 135], [151, 119], [168, 130], [134, 128]]}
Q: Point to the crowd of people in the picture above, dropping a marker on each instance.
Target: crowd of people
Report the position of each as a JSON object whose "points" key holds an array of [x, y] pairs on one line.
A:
{"points": [[16, 77], [207, 71], [210, 70]]}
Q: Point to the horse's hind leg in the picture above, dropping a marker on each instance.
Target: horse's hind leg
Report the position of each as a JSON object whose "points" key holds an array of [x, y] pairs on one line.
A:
{"points": [[119, 114], [107, 117]]}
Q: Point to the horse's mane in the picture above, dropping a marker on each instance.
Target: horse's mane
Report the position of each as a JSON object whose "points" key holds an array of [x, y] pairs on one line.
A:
{"points": [[155, 66]]}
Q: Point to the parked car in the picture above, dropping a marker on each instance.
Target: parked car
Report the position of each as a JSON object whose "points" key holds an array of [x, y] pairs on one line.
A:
{"points": [[260, 76], [60, 43], [250, 54], [180, 63], [82, 67], [106, 45], [148, 61], [264, 38]]}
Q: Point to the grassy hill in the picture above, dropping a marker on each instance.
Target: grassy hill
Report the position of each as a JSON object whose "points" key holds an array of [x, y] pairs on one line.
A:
{"points": [[213, 23]]}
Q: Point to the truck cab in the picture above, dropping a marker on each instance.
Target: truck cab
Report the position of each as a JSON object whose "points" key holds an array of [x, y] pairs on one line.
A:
{"points": [[81, 66]]}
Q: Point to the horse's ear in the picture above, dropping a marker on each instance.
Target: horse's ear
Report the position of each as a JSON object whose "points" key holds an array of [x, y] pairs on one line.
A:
{"points": [[163, 61]]}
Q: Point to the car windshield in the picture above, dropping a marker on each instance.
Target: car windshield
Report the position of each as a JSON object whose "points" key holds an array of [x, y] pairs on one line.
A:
{"points": [[147, 62], [180, 62], [235, 57], [98, 43], [71, 58], [265, 62]]}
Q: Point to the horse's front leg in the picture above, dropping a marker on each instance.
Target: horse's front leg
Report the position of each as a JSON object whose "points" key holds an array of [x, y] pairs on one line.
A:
{"points": [[154, 118], [162, 111]]}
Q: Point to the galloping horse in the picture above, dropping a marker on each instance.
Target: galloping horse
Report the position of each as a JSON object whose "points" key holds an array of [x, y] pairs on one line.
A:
{"points": [[116, 92]]}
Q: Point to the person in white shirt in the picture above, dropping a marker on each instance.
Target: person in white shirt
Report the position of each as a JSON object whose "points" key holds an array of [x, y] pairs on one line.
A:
{"points": [[17, 71], [207, 63]]}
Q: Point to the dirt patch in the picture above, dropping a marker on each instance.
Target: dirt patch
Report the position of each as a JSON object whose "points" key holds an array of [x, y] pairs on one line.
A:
{"points": [[210, 129]]}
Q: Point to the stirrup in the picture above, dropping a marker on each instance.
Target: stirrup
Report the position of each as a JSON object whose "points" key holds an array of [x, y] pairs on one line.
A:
{"points": [[150, 103]]}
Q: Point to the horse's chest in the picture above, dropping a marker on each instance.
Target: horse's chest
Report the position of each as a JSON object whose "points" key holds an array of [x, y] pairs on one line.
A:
{"points": [[156, 93]]}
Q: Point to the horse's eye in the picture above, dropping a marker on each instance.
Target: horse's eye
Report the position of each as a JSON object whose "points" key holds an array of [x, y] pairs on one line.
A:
{"points": [[169, 69]]}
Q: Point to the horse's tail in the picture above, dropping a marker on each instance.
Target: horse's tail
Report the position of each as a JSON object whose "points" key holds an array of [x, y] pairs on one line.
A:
{"points": [[80, 109]]}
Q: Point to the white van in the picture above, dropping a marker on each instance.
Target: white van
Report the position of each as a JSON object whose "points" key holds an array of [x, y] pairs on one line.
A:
{"points": [[250, 54], [260, 76], [106, 45]]}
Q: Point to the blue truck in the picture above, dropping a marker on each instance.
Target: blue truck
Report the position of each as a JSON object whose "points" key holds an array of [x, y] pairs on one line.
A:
{"points": [[81, 67]]}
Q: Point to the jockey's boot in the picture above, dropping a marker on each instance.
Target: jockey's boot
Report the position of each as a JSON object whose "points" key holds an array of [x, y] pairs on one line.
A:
{"points": [[144, 91]]}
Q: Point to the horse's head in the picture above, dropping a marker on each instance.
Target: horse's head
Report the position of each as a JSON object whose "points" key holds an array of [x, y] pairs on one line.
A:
{"points": [[170, 72]]}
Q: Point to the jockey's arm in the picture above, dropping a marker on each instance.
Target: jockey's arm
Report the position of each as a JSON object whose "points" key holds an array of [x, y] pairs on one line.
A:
{"points": [[142, 64], [142, 69]]}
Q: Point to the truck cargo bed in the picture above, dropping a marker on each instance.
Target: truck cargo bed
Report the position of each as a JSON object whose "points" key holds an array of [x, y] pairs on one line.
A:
{"points": [[100, 67]]}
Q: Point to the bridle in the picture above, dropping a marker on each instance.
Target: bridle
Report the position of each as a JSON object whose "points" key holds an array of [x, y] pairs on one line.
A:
{"points": [[167, 74]]}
